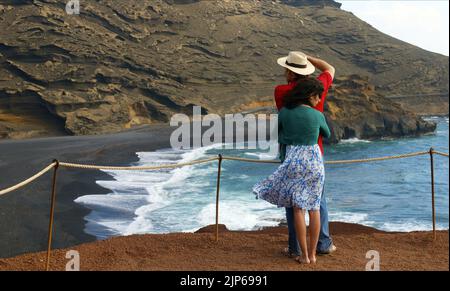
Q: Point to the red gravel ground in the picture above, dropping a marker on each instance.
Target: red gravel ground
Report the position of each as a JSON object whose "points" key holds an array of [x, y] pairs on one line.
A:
{"points": [[252, 250]]}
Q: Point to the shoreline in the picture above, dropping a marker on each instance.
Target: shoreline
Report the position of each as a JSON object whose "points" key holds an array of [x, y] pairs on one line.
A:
{"points": [[246, 251], [150, 127], [24, 213]]}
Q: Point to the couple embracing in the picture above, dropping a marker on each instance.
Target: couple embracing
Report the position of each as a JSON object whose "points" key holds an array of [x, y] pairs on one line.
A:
{"points": [[298, 184]]}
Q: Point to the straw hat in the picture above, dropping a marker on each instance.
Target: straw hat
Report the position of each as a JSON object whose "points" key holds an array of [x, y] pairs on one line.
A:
{"points": [[298, 63]]}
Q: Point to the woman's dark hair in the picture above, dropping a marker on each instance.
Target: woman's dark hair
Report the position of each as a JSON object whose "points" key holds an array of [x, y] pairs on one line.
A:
{"points": [[300, 94]]}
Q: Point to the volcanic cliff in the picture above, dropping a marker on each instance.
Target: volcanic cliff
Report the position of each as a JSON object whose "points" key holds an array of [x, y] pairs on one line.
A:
{"points": [[119, 64]]}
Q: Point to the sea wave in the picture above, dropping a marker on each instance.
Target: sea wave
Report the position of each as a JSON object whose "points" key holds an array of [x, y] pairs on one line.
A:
{"points": [[242, 214], [404, 225], [136, 195], [173, 200], [409, 225], [353, 140], [351, 217], [436, 118], [262, 156]]}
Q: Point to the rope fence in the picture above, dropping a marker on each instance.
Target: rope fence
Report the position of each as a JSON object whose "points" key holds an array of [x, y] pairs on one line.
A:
{"points": [[137, 168], [402, 156], [55, 165], [441, 154], [27, 181]]}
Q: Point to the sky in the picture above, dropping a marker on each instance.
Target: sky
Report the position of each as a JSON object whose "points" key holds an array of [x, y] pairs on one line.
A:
{"points": [[421, 23]]}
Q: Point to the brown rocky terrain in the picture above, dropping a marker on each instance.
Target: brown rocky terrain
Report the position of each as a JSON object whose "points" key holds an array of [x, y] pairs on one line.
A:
{"points": [[246, 251], [125, 63]]}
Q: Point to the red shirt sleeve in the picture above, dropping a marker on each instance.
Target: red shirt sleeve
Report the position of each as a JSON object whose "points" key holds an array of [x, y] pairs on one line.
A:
{"points": [[326, 80]]}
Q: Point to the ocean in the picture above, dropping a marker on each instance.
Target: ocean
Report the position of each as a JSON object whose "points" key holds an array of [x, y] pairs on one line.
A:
{"points": [[389, 195]]}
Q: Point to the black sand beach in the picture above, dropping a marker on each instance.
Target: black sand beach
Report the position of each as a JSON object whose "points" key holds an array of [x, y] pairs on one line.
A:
{"points": [[24, 213]]}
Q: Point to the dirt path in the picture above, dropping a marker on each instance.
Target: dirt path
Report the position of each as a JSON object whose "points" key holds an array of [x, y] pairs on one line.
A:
{"points": [[258, 250]]}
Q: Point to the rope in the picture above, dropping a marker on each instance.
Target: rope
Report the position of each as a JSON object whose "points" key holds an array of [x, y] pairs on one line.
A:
{"points": [[440, 153], [137, 168], [402, 156], [29, 180], [338, 161], [143, 168], [251, 160]]}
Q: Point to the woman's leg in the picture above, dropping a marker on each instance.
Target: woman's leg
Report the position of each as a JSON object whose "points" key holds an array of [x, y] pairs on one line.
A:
{"points": [[300, 229], [314, 231]]}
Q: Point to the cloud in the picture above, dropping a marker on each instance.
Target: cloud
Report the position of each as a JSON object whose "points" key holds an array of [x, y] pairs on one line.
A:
{"points": [[422, 23]]}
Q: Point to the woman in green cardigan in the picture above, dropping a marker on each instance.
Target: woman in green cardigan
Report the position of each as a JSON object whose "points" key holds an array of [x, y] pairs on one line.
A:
{"points": [[299, 181]]}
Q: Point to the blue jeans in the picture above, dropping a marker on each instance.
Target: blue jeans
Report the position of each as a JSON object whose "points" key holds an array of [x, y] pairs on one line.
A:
{"points": [[325, 241]]}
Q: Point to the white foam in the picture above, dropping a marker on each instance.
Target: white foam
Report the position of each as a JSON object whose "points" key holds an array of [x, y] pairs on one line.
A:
{"points": [[400, 226], [351, 217], [104, 229], [242, 215], [198, 153], [353, 140], [408, 226], [429, 118], [111, 214], [122, 203], [262, 156], [139, 194], [436, 118]]}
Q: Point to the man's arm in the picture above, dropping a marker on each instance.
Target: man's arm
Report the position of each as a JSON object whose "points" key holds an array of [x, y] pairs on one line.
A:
{"points": [[322, 65]]}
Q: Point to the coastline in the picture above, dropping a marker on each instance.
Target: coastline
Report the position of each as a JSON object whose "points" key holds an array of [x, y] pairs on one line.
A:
{"points": [[24, 213], [247, 251]]}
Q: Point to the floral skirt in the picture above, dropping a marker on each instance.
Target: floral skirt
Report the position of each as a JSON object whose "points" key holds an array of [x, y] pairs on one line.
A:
{"points": [[298, 182]]}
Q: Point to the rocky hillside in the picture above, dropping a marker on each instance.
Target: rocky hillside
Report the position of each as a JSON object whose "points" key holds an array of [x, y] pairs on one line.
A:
{"points": [[356, 109], [124, 63]]}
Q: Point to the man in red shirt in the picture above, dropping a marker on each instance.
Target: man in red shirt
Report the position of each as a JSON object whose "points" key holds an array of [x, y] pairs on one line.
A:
{"points": [[299, 66]]}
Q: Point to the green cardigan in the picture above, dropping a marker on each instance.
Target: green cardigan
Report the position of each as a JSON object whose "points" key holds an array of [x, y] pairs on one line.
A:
{"points": [[301, 126]]}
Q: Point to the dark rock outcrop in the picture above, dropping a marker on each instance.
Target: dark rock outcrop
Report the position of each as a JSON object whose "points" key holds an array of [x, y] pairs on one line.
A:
{"points": [[355, 110], [321, 3], [124, 63], [182, 1]]}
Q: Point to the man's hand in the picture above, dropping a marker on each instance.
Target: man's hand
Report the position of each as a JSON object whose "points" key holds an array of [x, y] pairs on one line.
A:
{"points": [[322, 65]]}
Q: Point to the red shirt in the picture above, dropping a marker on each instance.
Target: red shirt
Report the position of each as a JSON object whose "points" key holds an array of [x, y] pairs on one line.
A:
{"points": [[282, 90]]}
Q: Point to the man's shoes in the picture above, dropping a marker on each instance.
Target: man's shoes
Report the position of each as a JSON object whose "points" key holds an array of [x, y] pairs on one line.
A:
{"points": [[330, 250], [288, 253]]}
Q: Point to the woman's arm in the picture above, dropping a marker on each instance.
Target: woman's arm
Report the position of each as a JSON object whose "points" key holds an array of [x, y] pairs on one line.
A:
{"points": [[280, 124], [282, 147], [324, 129]]}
